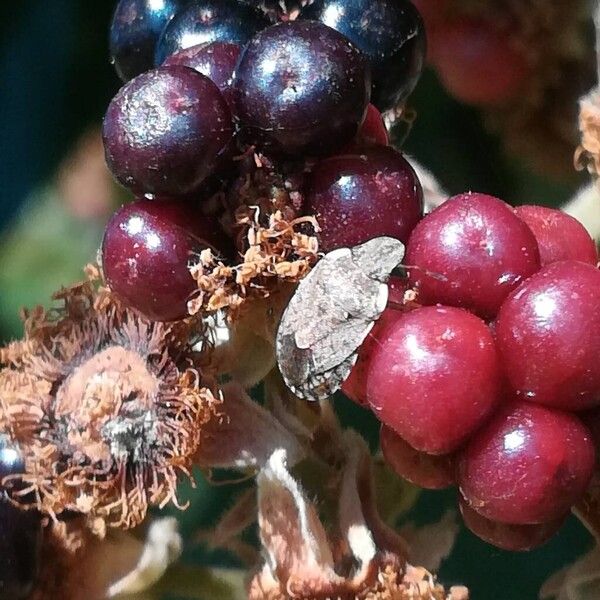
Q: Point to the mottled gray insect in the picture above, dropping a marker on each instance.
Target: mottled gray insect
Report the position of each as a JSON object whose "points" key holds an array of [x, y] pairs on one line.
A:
{"points": [[330, 315]]}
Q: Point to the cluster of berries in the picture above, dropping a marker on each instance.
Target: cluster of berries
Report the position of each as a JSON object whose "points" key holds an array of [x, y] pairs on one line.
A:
{"points": [[477, 382], [229, 90], [475, 379], [483, 369]]}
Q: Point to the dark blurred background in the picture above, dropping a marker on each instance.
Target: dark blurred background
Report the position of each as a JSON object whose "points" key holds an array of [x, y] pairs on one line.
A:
{"points": [[55, 82]]}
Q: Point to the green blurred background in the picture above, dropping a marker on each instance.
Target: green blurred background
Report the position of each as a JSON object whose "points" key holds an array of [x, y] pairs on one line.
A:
{"points": [[55, 82]]}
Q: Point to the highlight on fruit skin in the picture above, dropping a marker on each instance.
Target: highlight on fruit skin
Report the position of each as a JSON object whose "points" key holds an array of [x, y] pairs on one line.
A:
{"points": [[106, 408]]}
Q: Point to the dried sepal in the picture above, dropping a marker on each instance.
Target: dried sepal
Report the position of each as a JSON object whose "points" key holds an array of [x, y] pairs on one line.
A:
{"points": [[367, 534], [298, 416], [362, 559], [587, 155], [277, 250], [244, 434], [588, 508], [245, 348], [162, 547], [79, 566], [577, 581], [106, 407], [227, 532], [299, 557], [431, 544]]}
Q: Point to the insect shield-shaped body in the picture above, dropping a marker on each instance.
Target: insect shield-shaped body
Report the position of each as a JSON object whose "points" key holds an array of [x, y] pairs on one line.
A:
{"points": [[330, 315]]}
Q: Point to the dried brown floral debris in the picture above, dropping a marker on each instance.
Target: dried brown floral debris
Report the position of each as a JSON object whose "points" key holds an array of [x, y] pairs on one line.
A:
{"points": [[275, 243], [276, 251], [587, 155], [106, 407]]}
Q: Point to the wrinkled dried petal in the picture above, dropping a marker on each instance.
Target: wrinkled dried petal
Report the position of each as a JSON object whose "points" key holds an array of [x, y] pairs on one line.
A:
{"points": [[162, 548], [244, 435], [296, 544], [78, 566], [226, 534], [360, 522], [588, 153]]}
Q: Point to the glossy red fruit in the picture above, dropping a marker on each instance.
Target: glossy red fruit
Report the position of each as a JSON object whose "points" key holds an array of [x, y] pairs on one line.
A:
{"points": [[425, 470], [216, 61], [477, 63], [355, 386], [516, 538], [165, 131], [372, 132], [373, 129], [434, 377], [146, 251], [528, 464], [362, 196], [548, 334], [559, 235], [471, 251]]}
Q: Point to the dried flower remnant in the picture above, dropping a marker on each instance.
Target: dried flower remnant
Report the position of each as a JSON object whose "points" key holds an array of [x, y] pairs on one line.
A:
{"points": [[587, 155], [106, 407], [364, 561], [244, 434], [121, 564], [276, 251]]}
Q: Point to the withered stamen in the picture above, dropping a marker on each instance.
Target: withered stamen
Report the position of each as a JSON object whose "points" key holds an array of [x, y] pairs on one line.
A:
{"points": [[106, 407]]}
